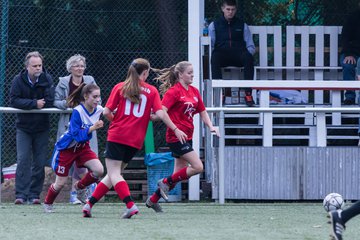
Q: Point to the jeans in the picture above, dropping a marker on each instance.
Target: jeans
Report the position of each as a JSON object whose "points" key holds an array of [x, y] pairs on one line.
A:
{"points": [[32, 152], [348, 75], [231, 57]]}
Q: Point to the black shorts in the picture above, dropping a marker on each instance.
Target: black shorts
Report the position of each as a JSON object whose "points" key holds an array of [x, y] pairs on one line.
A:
{"points": [[119, 152], [178, 149]]}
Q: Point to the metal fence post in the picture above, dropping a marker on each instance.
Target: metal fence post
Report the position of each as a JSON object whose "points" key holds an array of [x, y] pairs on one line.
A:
{"points": [[4, 14], [221, 159]]}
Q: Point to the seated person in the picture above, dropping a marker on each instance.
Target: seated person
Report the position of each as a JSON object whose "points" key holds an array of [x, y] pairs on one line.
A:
{"points": [[350, 40], [358, 78], [232, 45]]}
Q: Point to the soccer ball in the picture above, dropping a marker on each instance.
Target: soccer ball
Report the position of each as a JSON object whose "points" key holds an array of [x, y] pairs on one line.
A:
{"points": [[333, 201]]}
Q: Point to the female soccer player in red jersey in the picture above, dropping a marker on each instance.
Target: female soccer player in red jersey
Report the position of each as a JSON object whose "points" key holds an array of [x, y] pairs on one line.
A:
{"points": [[73, 145], [181, 101], [128, 108]]}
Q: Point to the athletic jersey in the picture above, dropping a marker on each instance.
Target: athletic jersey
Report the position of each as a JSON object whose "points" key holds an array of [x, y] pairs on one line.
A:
{"points": [[80, 122], [131, 120], [182, 105]]}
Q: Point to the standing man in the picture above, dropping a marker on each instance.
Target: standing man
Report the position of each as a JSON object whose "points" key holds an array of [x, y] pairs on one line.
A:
{"points": [[232, 45], [31, 89], [350, 39]]}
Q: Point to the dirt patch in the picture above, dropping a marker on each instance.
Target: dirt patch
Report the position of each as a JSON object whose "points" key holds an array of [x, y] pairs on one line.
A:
{"points": [[8, 188]]}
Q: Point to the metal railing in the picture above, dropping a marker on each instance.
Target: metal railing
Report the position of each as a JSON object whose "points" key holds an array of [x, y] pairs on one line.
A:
{"points": [[219, 113]]}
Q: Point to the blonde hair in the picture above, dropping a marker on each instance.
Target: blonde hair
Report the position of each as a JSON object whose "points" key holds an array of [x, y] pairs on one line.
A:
{"points": [[132, 88], [170, 76]]}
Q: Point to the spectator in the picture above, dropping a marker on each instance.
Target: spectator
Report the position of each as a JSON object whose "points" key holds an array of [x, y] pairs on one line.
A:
{"points": [[350, 39], [73, 146], [232, 45], [76, 66], [128, 108], [181, 101], [358, 78], [32, 88]]}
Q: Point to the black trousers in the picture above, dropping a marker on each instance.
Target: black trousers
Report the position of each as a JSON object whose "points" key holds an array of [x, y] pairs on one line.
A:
{"points": [[232, 57]]}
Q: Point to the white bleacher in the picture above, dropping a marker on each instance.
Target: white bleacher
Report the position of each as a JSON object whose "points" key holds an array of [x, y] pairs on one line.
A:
{"points": [[305, 58], [305, 53], [319, 137], [312, 53]]}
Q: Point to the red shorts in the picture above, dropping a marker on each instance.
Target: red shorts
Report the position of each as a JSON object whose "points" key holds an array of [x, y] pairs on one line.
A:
{"points": [[64, 159]]}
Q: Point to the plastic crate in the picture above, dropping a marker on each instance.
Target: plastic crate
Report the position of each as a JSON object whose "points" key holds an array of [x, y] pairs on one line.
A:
{"points": [[9, 172], [160, 165]]}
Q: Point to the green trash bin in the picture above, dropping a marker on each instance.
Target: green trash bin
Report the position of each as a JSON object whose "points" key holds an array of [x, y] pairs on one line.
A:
{"points": [[160, 165]]}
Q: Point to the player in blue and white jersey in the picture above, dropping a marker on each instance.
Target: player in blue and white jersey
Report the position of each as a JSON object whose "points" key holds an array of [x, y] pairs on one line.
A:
{"points": [[74, 146]]}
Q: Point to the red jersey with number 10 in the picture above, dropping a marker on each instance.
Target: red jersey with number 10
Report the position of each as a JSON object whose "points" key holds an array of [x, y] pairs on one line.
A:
{"points": [[131, 120], [182, 105]]}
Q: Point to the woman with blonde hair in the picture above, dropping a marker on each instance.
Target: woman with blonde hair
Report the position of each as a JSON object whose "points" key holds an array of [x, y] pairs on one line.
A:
{"points": [[181, 101], [75, 66], [128, 109]]}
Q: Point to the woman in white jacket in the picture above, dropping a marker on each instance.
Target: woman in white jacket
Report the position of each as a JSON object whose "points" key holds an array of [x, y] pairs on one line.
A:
{"points": [[76, 66]]}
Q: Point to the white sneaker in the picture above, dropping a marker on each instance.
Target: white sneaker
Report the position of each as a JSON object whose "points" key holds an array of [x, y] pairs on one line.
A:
{"points": [[76, 202], [48, 208], [80, 193], [73, 198], [129, 212], [86, 211]]}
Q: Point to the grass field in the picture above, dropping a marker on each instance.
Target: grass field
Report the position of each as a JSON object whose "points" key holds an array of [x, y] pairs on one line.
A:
{"points": [[179, 221]]}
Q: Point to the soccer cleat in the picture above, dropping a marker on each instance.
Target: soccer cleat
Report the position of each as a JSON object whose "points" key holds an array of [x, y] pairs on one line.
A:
{"points": [[156, 206], [129, 212], [48, 208], [86, 211], [80, 193], [19, 201], [337, 226], [35, 201], [73, 198], [164, 189], [89, 190]]}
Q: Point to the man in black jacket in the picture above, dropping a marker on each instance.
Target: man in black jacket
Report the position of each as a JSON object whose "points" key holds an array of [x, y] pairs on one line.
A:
{"points": [[232, 45], [350, 39], [31, 89]]}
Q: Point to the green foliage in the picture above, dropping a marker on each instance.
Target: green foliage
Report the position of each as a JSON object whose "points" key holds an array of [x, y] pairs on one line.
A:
{"points": [[288, 12]]}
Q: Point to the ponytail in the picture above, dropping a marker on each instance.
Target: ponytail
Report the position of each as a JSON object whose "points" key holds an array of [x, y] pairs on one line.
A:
{"points": [[168, 77], [132, 86], [76, 97]]}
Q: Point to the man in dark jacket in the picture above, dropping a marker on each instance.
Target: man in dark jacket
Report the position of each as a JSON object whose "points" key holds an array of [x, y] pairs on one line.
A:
{"points": [[31, 89], [350, 39], [232, 45]]}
